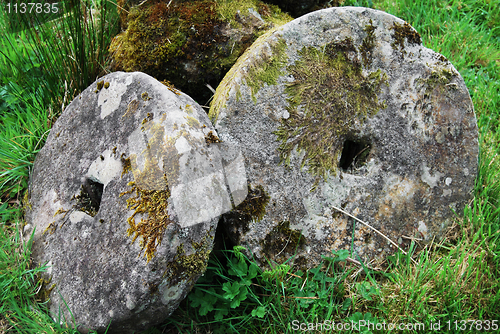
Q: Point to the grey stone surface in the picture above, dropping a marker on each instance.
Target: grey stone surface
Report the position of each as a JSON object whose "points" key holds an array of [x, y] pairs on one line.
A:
{"points": [[124, 198], [345, 107]]}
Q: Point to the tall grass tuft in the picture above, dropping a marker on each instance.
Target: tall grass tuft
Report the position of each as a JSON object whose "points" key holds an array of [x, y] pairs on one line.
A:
{"points": [[42, 68]]}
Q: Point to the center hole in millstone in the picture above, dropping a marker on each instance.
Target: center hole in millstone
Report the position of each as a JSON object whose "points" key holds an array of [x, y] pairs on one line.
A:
{"points": [[89, 198], [354, 154]]}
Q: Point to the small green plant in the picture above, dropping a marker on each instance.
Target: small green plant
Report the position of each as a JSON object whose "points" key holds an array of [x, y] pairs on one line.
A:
{"points": [[234, 290]]}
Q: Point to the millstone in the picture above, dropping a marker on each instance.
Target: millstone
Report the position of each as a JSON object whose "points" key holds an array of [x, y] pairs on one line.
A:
{"points": [[344, 108], [124, 200]]}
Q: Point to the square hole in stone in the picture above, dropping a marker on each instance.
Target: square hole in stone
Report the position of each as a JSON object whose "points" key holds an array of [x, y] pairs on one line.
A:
{"points": [[354, 154]]}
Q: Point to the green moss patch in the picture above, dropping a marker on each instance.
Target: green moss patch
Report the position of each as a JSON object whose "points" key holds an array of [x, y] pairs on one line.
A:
{"points": [[267, 69], [328, 96], [253, 208], [368, 43]]}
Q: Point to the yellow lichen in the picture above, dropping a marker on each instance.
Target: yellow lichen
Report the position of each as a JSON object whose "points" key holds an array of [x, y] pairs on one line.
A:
{"points": [[151, 191]]}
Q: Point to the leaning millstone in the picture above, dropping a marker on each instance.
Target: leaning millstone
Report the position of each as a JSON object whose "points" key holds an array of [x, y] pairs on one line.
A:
{"points": [[124, 198], [344, 108]]}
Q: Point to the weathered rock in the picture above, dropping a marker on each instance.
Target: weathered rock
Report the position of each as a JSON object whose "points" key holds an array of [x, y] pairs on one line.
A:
{"points": [[345, 108], [124, 198], [191, 43]]}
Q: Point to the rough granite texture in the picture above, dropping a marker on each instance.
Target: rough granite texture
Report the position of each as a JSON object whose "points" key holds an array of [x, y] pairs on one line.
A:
{"points": [[124, 198], [344, 107]]}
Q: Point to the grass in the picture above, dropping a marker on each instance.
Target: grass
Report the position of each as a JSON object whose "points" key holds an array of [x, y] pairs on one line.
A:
{"points": [[455, 280]]}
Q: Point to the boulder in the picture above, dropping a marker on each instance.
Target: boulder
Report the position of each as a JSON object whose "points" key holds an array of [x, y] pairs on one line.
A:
{"points": [[190, 43], [124, 200], [344, 108]]}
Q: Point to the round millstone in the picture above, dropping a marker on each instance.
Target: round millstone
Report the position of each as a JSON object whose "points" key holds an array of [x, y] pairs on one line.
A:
{"points": [[345, 108], [124, 200]]}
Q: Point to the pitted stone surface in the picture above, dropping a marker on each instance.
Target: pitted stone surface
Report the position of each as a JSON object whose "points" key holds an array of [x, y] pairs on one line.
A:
{"points": [[125, 197], [345, 108]]}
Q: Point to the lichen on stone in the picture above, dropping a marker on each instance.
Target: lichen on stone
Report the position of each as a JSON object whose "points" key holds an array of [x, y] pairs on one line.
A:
{"points": [[131, 108], [192, 122], [328, 97]]}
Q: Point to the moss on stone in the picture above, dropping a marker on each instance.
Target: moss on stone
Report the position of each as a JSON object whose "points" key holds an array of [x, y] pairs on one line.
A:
{"points": [[440, 77], [171, 87], [151, 191], [88, 199], [252, 209], [45, 288], [368, 43], [267, 69], [329, 96], [26, 201], [233, 76], [404, 32], [211, 138], [174, 40], [100, 84], [188, 267], [126, 164]]}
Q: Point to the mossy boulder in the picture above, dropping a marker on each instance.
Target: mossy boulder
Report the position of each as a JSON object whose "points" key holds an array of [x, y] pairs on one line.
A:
{"points": [[190, 43], [124, 200], [344, 108]]}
